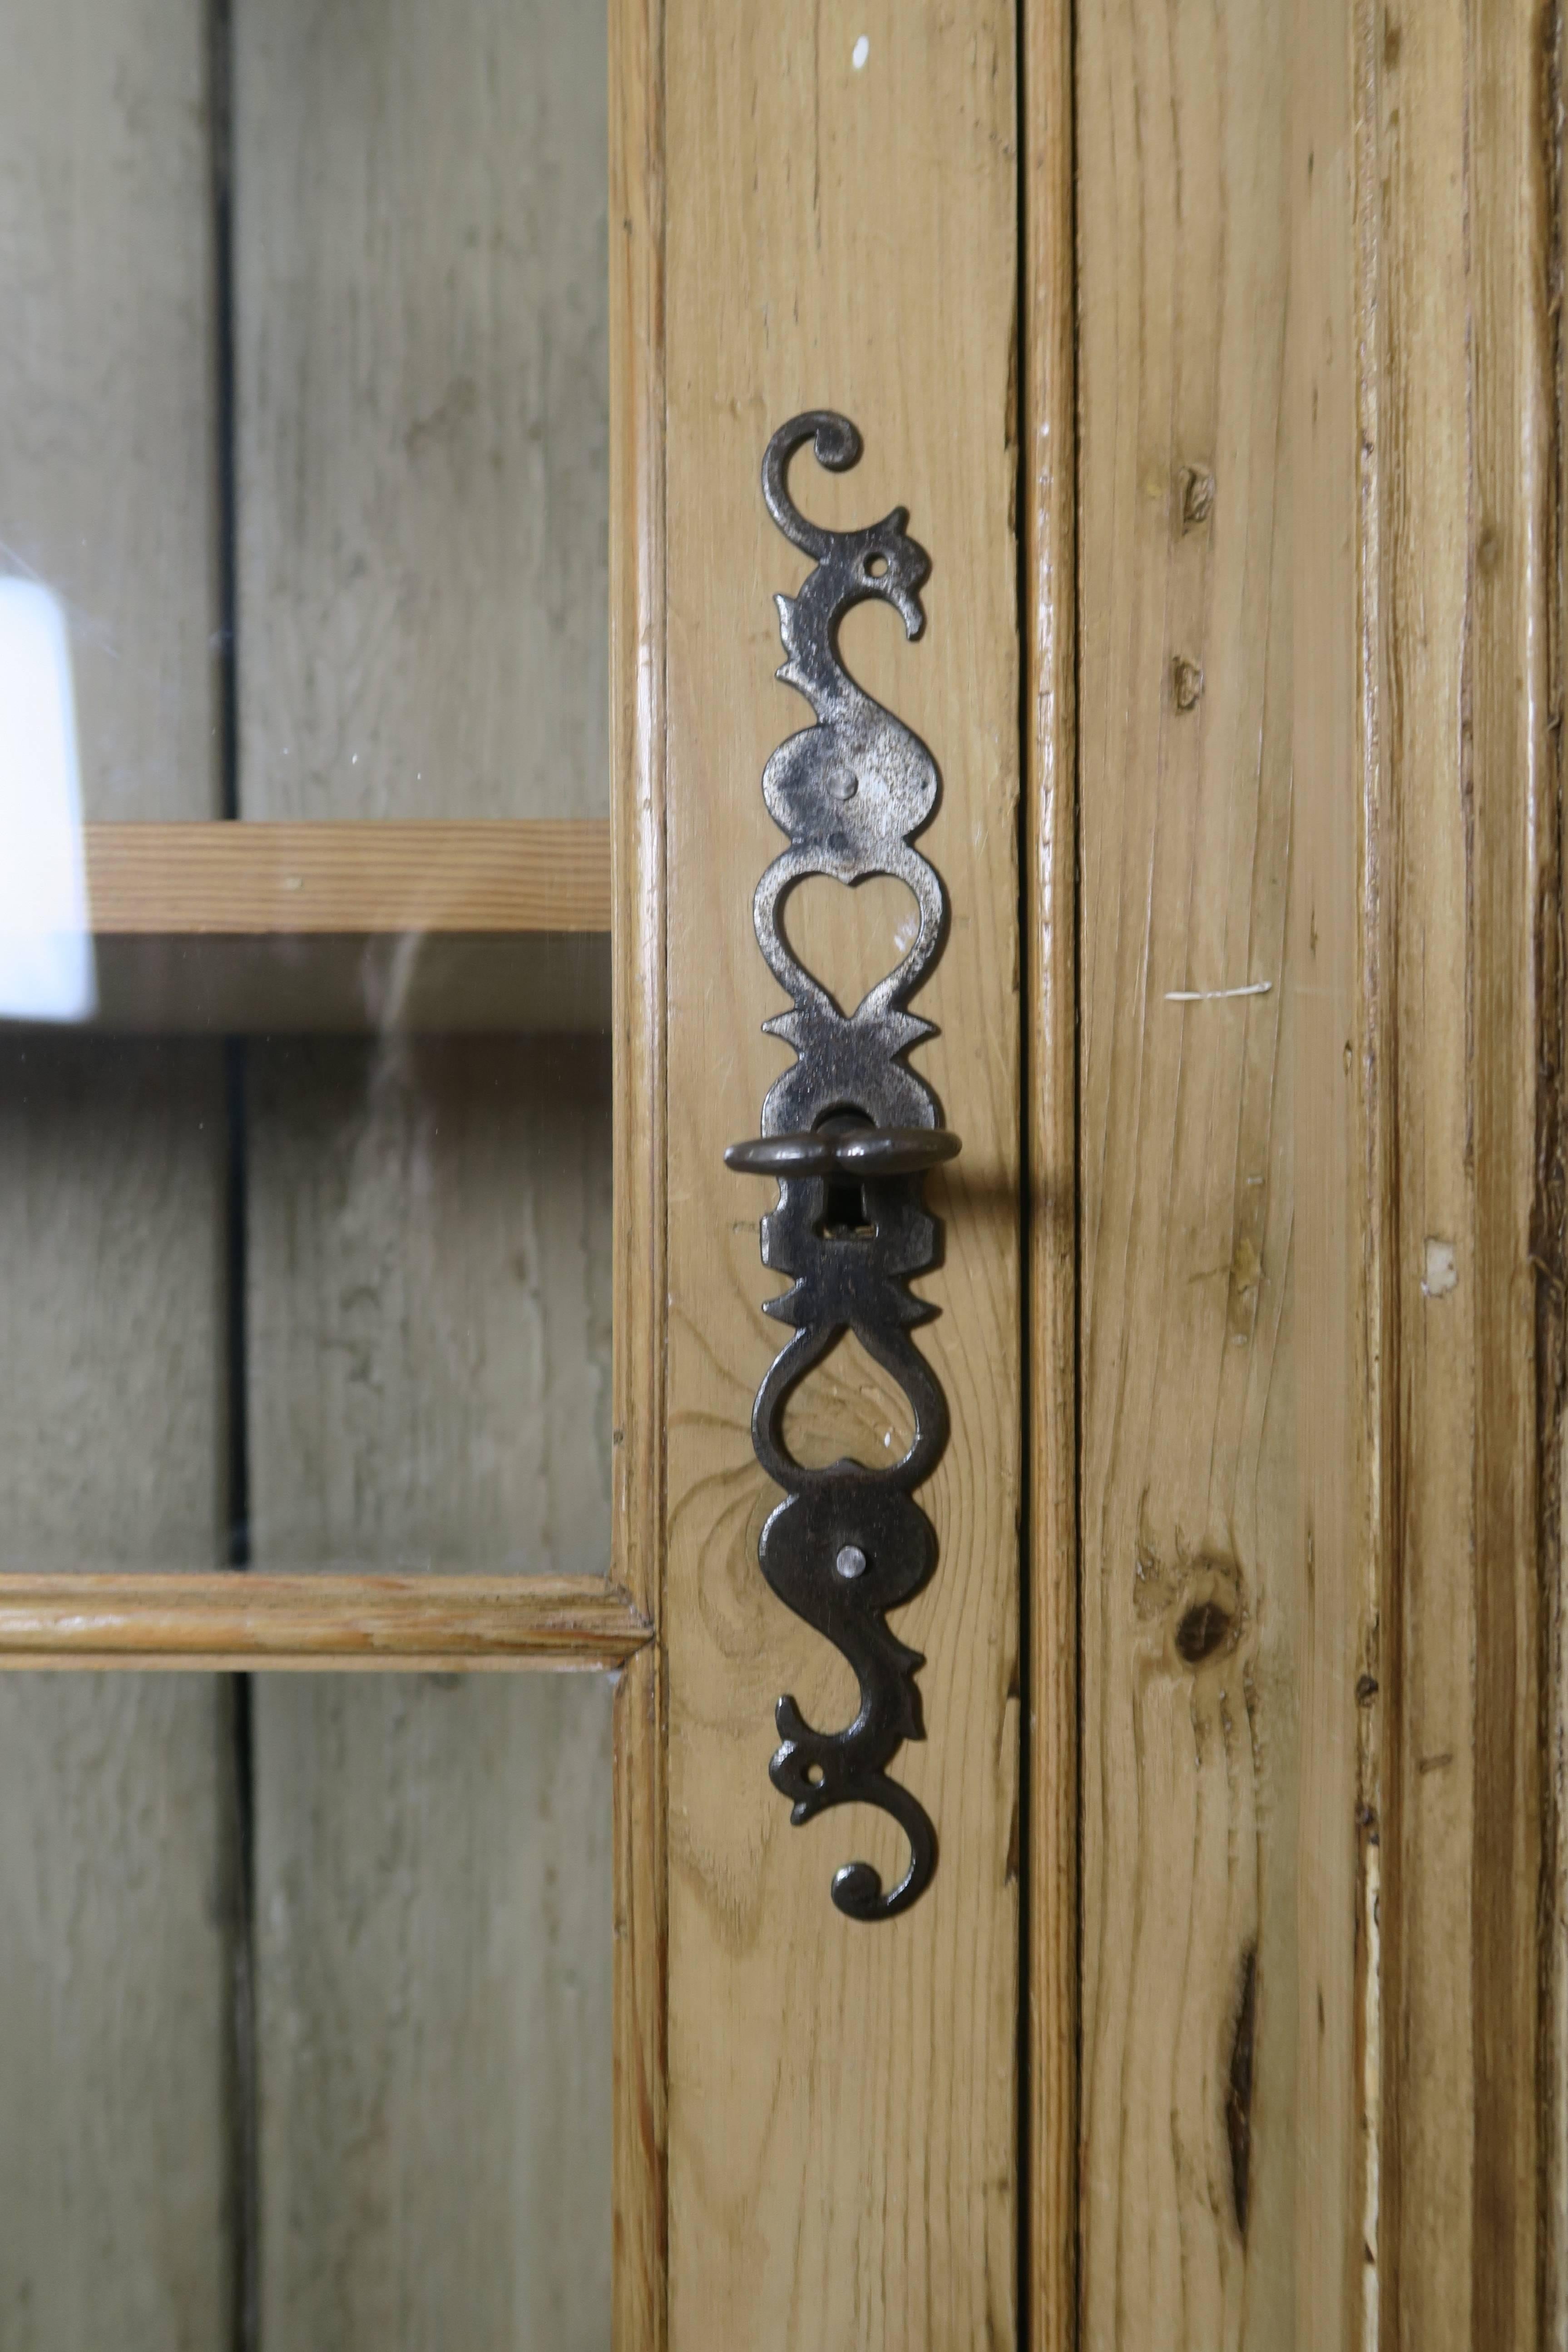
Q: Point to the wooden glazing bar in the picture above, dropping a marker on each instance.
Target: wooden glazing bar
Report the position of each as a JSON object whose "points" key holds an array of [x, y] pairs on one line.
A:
{"points": [[330, 1621]]}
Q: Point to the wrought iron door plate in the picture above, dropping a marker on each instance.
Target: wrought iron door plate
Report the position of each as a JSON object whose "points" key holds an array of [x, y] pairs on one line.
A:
{"points": [[848, 1132]]}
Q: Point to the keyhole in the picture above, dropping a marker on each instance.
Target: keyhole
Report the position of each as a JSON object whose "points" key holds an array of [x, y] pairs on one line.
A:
{"points": [[845, 1214]]}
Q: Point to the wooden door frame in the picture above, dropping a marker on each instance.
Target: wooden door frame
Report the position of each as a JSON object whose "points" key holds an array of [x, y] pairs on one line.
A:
{"points": [[644, 1404], [639, 1187]]}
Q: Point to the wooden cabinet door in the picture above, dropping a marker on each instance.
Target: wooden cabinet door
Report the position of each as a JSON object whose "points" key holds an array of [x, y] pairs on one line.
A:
{"points": [[404, 1941], [365, 1985]]}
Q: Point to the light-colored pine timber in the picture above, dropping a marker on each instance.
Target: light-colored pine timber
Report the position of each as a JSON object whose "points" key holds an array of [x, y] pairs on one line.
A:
{"points": [[1469, 1030], [1192, 1556], [530, 874], [1341, 1254], [115, 1819], [842, 2098], [1048, 506], [636, 134], [328, 1623], [422, 488]]}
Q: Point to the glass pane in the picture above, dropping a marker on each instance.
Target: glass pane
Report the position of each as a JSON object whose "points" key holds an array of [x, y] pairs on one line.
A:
{"points": [[307, 2009], [304, 1134], [304, 1155]]}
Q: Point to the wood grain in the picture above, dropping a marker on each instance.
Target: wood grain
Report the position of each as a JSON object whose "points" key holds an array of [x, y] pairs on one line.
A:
{"points": [[1192, 1564], [842, 2099], [527, 873], [1462, 109], [1342, 1141], [330, 1623], [1048, 506], [637, 636]]}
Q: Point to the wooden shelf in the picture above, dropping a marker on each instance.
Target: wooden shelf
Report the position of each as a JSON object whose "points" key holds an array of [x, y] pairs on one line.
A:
{"points": [[365, 880], [282, 929]]}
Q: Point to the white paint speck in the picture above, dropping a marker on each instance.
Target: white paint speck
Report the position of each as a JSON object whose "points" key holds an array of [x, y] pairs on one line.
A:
{"points": [[860, 52], [1214, 995], [1442, 1275]]}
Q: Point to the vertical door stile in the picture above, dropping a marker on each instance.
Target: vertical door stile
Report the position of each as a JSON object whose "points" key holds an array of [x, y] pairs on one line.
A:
{"points": [[636, 128], [1466, 1024], [842, 199], [1192, 1569]]}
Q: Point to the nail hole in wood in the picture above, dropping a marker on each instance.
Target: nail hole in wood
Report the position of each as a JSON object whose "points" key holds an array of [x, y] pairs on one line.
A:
{"points": [[1187, 680], [1198, 496]]}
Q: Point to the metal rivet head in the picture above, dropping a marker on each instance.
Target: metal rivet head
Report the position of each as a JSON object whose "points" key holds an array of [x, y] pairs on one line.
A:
{"points": [[851, 1563]]}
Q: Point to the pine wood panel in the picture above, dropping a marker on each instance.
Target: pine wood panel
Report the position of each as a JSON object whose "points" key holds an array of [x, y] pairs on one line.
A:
{"points": [[1192, 1564], [433, 1922], [530, 874], [1469, 694], [116, 1824], [421, 481], [842, 2098]]}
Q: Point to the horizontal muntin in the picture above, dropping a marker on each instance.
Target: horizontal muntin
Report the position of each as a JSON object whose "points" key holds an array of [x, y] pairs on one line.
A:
{"points": [[333, 1620]]}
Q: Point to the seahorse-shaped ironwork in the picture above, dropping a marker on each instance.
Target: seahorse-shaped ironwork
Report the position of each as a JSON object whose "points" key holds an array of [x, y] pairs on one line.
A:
{"points": [[847, 1131]]}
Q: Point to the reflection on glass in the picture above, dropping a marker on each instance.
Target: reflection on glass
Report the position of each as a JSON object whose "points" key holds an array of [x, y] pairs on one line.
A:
{"points": [[45, 950]]}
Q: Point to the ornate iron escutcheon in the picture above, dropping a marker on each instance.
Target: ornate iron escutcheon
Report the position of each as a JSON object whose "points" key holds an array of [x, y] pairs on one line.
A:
{"points": [[847, 1133]]}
